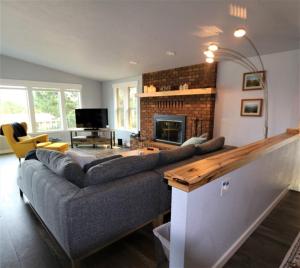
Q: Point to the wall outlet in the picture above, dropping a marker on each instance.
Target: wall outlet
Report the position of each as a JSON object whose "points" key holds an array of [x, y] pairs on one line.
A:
{"points": [[224, 187]]}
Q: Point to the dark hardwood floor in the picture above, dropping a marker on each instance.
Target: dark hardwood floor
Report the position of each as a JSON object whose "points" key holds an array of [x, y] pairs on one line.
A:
{"points": [[25, 243], [269, 243]]}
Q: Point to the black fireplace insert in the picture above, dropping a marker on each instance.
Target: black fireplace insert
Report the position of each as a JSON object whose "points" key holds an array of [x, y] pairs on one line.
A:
{"points": [[169, 128]]}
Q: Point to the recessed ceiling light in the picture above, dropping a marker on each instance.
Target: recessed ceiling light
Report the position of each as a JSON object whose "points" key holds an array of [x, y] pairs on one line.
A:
{"points": [[133, 62], [171, 53], [238, 11]]}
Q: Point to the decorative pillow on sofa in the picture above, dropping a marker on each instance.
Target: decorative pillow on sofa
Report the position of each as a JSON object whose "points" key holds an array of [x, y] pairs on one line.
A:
{"points": [[170, 156], [62, 165], [210, 146], [196, 140], [80, 158], [119, 168], [99, 161]]}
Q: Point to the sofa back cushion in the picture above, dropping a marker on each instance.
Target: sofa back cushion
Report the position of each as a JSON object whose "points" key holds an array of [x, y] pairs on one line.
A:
{"points": [[210, 146], [62, 165], [170, 156], [120, 167], [87, 166]]}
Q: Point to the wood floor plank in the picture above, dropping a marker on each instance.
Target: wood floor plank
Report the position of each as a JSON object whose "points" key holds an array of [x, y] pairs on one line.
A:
{"points": [[269, 243]]}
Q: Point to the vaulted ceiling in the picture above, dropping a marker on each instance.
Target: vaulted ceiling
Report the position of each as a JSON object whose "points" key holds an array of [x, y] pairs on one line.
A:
{"points": [[98, 39]]}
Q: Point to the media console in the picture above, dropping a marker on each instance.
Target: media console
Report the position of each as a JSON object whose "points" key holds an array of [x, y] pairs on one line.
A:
{"points": [[99, 136]]}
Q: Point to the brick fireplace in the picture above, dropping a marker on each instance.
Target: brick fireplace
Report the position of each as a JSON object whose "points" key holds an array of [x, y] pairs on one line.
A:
{"points": [[198, 110]]}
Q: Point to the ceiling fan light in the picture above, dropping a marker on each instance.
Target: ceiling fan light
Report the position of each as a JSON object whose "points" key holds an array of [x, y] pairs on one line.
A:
{"points": [[238, 33], [213, 47], [209, 60]]}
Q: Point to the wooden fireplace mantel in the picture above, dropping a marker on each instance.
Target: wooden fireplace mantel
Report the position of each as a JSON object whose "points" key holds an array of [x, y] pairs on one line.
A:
{"points": [[186, 92]]}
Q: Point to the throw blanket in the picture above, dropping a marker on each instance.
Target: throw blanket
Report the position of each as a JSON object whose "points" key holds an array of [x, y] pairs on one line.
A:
{"points": [[19, 131]]}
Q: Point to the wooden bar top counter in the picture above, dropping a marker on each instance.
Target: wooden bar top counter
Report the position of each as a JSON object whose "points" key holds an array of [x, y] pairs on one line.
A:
{"points": [[199, 173]]}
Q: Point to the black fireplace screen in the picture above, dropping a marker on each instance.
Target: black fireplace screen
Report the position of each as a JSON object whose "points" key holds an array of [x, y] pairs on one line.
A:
{"points": [[169, 128]]}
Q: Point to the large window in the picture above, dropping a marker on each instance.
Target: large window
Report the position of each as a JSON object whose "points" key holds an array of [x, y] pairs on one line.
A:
{"points": [[43, 107], [72, 102], [47, 109], [13, 105], [126, 106]]}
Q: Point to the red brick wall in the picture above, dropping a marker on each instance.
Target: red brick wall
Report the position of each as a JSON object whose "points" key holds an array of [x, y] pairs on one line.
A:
{"points": [[200, 107], [193, 107], [196, 76]]}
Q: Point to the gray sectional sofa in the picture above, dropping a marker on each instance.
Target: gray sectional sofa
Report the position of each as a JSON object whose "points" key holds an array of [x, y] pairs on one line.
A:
{"points": [[110, 200]]}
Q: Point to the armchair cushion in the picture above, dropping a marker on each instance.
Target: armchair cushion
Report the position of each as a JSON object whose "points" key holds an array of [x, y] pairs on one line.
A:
{"points": [[24, 138]]}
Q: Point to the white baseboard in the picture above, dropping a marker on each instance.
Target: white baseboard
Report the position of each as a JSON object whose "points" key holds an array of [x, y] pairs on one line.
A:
{"points": [[237, 244]]}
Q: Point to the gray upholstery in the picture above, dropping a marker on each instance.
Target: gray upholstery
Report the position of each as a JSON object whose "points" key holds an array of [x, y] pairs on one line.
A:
{"points": [[210, 146], [85, 219], [99, 161], [103, 212], [62, 165], [196, 140], [170, 156], [119, 168]]}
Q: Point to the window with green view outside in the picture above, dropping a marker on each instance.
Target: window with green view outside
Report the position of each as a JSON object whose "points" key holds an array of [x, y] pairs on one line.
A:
{"points": [[72, 102]]}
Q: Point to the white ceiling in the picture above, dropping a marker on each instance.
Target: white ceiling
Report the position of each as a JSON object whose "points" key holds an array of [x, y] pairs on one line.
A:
{"points": [[97, 39]]}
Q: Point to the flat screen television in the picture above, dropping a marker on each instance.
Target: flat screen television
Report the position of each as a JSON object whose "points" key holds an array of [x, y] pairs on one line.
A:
{"points": [[91, 118]]}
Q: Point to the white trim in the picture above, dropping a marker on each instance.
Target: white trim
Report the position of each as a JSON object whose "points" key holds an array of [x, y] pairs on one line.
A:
{"points": [[125, 87], [12, 82], [238, 243]]}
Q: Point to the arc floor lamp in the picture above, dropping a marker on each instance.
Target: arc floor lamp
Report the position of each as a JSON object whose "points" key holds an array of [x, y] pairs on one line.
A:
{"points": [[220, 53]]}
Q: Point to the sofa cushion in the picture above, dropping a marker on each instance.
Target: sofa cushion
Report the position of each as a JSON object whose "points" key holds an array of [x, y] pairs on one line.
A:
{"points": [[170, 156], [196, 140], [120, 167], [99, 161], [62, 165], [210, 146]]}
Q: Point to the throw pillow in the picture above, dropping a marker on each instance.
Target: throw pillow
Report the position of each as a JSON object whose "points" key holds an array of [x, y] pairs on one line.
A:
{"points": [[62, 165], [119, 168], [80, 158], [210, 146], [99, 161], [196, 140], [175, 155]]}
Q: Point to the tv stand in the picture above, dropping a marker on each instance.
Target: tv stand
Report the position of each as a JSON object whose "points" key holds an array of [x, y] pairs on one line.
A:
{"points": [[99, 136]]}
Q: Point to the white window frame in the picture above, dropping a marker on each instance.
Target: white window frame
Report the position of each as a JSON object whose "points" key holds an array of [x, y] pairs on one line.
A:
{"points": [[125, 87], [29, 87]]}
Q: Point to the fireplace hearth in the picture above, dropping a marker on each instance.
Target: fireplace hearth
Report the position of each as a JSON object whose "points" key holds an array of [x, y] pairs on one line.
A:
{"points": [[169, 128]]}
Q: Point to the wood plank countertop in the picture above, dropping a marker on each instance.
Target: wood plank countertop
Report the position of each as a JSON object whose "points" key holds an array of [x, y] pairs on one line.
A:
{"points": [[199, 173]]}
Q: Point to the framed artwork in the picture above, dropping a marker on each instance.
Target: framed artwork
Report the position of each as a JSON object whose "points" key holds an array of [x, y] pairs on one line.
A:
{"points": [[251, 107], [254, 80]]}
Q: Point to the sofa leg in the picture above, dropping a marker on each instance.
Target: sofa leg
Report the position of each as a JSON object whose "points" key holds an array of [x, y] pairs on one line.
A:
{"points": [[21, 193], [158, 221]]}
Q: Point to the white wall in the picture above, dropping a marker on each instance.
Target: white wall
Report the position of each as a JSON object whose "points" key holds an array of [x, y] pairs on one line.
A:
{"points": [[284, 99], [11, 68], [207, 228], [107, 97]]}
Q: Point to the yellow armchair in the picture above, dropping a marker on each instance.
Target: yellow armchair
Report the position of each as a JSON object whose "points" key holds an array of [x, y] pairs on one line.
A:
{"points": [[26, 143]]}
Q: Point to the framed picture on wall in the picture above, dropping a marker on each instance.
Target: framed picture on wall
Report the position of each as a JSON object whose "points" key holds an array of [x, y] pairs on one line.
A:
{"points": [[254, 80], [251, 107]]}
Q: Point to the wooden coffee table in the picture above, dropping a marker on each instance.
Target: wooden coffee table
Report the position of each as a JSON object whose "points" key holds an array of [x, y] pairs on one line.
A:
{"points": [[142, 151]]}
